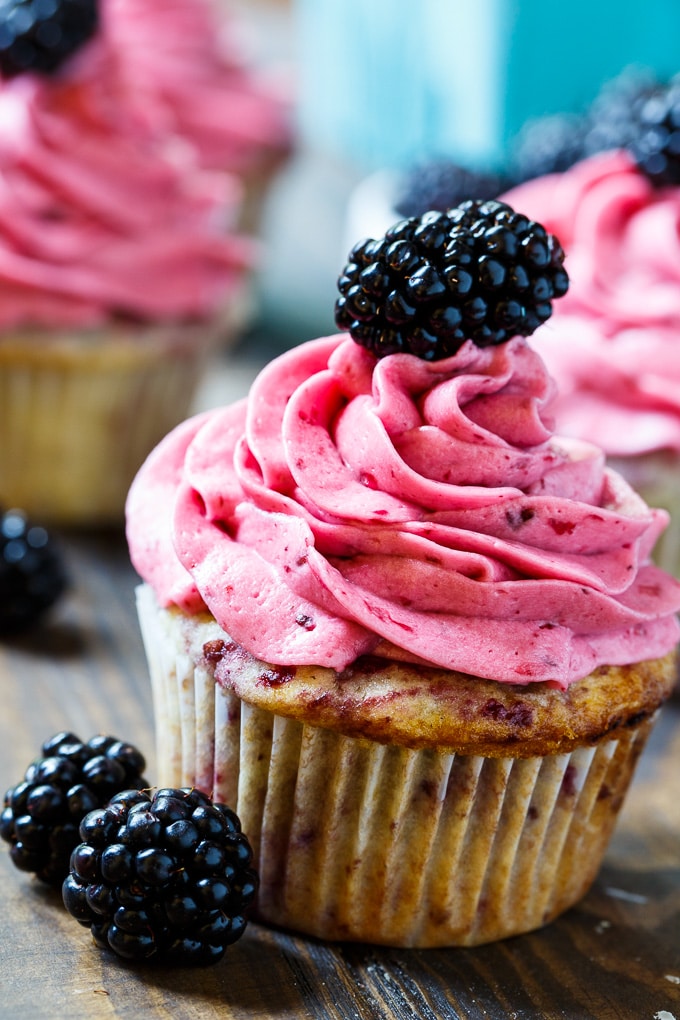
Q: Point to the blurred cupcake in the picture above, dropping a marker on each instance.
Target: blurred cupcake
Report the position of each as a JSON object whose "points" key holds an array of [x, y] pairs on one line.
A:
{"points": [[118, 275], [188, 62], [409, 632], [612, 344]]}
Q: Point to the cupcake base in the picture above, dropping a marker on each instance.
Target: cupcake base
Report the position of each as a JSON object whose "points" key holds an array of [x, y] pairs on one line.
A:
{"points": [[79, 413], [364, 841]]}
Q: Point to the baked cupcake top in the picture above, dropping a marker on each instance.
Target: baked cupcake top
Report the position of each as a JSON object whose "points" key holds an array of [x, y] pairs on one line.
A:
{"points": [[417, 510], [612, 343], [104, 211]]}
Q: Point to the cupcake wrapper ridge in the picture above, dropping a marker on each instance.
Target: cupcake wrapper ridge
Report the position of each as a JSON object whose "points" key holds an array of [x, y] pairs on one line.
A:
{"points": [[356, 840]]}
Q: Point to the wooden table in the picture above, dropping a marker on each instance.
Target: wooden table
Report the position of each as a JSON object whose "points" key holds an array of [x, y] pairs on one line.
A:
{"points": [[616, 956]]}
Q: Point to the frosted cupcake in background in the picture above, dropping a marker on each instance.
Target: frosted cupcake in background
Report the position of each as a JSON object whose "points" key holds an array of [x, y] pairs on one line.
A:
{"points": [[613, 343], [187, 62], [408, 631], [119, 273]]}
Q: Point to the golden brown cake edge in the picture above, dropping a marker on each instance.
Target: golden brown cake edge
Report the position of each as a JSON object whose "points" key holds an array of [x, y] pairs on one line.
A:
{"points": [[422, 707]]}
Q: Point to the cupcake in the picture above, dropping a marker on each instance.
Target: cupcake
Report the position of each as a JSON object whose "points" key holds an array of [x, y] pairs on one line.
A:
{"points": [[188, 62], [118, 277], [612, 343], [409, 632]]}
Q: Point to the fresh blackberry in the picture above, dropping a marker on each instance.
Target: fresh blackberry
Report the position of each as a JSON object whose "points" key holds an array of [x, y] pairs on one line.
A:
{"points": [[612, 116], [32, 575], [38, 35], [166, 876], [442, 184], [480, 272], [42, 813], [656, 144], [548, 145]]}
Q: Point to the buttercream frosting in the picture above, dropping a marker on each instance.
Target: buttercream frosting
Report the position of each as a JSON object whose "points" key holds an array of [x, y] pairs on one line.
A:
{"points": [[185, 62], [104, 211], [423, 512], [612, 342]]}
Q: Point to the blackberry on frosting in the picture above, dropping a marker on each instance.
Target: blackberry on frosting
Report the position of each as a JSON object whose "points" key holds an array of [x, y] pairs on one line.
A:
{"points": [[479, 271], [655, 146], [39, 35]]}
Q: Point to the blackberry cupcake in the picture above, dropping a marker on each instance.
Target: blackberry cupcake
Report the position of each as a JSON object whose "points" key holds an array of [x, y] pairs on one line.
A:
{"points": [[118, 275], [612, 344], [409, 633]]}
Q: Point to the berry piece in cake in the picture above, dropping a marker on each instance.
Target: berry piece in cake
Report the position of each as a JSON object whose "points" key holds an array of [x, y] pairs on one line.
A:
{"points": [[38, 35], [442, 184], [41, 815], [656, 144], [32, 574], [479, 272], [164, 876]]}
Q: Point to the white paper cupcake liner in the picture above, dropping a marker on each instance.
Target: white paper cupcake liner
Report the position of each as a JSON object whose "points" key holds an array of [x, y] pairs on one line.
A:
{"points": [[360, 841]]}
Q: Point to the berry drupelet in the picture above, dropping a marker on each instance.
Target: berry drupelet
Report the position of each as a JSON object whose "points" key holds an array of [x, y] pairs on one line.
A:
{"points": [[479, 272], [164, 877], [41, 814], [39, 35], [32, 574]]}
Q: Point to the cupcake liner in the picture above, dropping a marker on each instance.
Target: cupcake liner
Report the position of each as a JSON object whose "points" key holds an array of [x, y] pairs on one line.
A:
{"points": [[79, 414], [356, 840]]}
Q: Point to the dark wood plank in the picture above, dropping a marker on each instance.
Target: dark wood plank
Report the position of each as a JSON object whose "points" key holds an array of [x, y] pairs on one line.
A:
{"points": [[617, 955]]}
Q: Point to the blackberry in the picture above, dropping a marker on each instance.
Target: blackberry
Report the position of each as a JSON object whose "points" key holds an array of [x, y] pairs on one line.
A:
{"points": [[554, 143], [612, 116], [38, 35], [42, 813], [162, 877], [655, 146], [548, 145], [442, 184], [480, 272], [32, 575]]}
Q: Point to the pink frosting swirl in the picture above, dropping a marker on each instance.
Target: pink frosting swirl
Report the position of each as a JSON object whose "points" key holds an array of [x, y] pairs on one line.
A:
{"points": [[612, 343], [103, 213], [183, 60], [421, 512]]}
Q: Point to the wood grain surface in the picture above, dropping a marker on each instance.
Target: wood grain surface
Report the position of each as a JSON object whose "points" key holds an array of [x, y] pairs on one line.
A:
{"points": [[616, 956]]}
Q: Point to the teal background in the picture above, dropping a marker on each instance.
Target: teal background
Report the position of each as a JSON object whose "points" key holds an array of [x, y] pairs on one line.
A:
{"points": [[385, 83]]}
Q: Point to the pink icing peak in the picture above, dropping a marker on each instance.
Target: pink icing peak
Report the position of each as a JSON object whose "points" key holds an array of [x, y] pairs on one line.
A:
{"points": [[612, 342], [421, 512]]}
